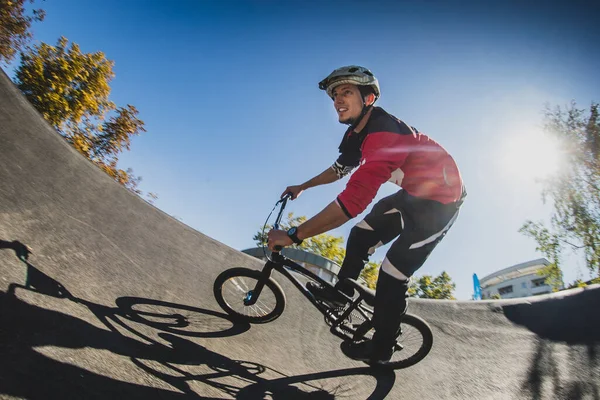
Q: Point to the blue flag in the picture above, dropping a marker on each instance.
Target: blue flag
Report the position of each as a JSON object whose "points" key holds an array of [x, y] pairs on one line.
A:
{"points": [[476, 288]]}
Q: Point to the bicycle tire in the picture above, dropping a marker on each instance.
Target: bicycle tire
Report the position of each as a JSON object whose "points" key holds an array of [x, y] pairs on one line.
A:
{"points": [[408, 320], [427, 335], [252, 275]]}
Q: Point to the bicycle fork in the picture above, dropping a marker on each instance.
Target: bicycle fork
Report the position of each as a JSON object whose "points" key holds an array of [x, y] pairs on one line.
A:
{"points": [[253, 294]]}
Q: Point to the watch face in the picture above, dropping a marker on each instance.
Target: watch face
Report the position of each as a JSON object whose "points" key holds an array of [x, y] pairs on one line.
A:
{"points": [[292, 231]]}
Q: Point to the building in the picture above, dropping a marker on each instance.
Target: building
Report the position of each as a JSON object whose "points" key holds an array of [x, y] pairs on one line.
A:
{"points": [[521, 280], [318, 265]]}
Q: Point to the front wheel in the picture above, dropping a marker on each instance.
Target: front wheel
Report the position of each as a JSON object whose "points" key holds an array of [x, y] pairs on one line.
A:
{"points": [[234, 287]]}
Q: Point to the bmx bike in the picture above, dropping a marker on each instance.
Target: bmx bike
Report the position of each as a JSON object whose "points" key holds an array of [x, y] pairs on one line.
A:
{"points": [[253, 296]]}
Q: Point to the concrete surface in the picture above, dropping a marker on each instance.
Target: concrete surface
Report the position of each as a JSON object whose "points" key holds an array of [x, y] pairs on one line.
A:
{"points": [[116, 302]]}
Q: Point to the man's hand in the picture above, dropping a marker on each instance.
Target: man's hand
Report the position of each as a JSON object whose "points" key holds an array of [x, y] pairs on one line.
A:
{"points": [[294, 190], [278, 238]]}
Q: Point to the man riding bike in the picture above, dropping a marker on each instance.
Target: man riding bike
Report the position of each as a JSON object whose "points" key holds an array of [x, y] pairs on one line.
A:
{"points": [[418, 216]]}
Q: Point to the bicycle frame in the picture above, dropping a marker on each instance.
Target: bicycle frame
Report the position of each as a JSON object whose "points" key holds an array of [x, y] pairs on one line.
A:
{"points": [[284, 265]]}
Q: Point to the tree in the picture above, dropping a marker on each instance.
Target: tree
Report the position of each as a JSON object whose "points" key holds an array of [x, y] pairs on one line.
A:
{"points": [[370, 274], [575, 193], [71, 91], [429, 287], [14, 27], [326, 245]]}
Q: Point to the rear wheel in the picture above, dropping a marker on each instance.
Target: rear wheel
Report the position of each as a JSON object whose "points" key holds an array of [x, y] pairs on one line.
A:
{"points": [[413, 343], [234, 287]]}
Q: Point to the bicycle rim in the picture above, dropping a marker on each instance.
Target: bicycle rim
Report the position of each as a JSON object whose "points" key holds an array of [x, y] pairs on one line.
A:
{"points": [[237, 289], [413, 344]]}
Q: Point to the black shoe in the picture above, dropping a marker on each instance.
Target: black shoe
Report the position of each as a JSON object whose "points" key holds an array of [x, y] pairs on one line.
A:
{"points": [[368, 352], [326, 295]]}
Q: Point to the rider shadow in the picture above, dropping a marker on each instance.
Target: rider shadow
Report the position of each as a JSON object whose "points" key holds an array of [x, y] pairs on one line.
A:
{"points": [[26, 327], [545, 380]]}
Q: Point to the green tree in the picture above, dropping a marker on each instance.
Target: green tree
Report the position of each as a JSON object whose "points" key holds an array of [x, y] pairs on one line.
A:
{"points": [[15, 27], [575, 193], [326, 245], [71, 91], [370, 274], [429, 287]]}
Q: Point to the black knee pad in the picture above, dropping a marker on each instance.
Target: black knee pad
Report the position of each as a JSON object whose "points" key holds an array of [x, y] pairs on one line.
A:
{"points": [[361, 240], [390, 289], [357, 252]]}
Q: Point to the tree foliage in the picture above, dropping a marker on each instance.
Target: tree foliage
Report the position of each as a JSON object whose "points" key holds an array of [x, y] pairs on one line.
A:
{"points": [[326, 245], [71, 91], [428, 287], [15, 27], [575, 193], [370, 274]]}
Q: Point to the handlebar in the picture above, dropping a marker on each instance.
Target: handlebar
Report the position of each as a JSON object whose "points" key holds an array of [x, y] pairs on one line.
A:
{"points": [[283, 201]]}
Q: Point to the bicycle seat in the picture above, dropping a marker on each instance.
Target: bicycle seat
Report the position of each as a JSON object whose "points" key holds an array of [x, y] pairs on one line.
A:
{"points": [[367, 294]]}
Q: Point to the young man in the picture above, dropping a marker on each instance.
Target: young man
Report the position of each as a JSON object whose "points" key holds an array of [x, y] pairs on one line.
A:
{"points": [[418, 216]]}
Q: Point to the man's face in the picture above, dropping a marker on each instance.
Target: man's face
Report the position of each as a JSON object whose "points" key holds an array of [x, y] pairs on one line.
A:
{"points": [[348, 102]]}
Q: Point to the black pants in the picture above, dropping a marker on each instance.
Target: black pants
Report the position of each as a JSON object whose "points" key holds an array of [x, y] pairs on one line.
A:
{"points": [[418, 225]]}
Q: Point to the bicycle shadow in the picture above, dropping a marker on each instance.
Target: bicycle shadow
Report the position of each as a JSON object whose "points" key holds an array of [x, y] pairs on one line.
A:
{"points": [[283, 387], [25, 327]]}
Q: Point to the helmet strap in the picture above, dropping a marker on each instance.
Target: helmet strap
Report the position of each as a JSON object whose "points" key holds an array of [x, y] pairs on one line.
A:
{"points": [[364, 112]]}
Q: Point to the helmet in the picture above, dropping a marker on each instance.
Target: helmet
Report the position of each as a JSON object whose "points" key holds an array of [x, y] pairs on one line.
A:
{"points": [[350, 74]]}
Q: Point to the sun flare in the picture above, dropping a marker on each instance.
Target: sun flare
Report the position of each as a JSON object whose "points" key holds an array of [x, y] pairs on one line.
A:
{"points": [[532, 155]]}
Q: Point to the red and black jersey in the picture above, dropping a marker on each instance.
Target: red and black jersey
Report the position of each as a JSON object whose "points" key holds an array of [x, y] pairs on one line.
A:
{"points": [[387, 149]]}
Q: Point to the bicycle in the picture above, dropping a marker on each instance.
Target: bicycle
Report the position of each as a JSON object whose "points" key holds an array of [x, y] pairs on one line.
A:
{"points": [[238, 290]]}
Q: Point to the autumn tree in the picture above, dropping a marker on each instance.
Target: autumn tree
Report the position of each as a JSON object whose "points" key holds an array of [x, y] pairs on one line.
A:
{"points": [[15, 27], [326, 245], [71, 91], [574, 192], [429, 287]]}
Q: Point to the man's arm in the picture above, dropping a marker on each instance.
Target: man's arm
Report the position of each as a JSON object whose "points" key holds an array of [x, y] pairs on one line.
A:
{"points": [[325, 177], [330, 218]]}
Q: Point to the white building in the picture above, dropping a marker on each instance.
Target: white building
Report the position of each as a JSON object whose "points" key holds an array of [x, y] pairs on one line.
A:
{"points": [[318, 265], [521, 280]]}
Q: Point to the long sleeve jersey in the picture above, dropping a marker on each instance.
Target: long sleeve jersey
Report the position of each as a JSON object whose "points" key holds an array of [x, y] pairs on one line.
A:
{"points": [[387, 149]]}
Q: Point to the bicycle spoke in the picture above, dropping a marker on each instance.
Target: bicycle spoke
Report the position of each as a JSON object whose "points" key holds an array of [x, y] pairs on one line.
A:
{"points": [[236, 290]]}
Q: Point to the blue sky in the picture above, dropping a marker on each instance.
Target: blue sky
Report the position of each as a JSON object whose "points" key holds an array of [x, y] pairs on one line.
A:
{"points": [[228, 93]]}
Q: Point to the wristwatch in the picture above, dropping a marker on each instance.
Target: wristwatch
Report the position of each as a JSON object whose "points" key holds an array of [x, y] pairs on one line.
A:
{"points": [[293, 234]]}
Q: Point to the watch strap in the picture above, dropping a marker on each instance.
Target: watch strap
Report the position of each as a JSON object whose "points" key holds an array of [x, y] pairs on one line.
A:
{"points": [[293, 234]]}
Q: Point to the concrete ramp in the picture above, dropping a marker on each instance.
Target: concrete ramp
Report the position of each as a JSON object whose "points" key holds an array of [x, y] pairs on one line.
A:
{"points": [[116, 302]]}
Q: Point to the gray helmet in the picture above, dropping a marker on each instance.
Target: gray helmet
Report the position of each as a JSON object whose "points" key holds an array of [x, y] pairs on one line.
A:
{"points": [[350, 74]]}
